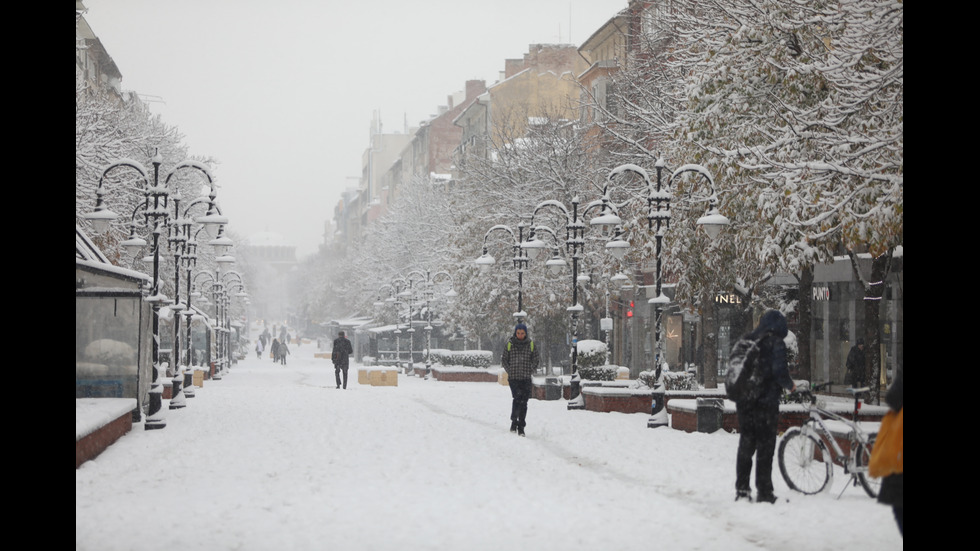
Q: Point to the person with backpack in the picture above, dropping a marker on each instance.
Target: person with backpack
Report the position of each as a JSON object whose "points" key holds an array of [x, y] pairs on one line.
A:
{"points": [[766, 373], [520, 360]]}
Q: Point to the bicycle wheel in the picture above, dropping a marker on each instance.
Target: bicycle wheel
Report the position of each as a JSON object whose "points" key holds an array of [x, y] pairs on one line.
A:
{"points": [[804, 462], [863, 457]]}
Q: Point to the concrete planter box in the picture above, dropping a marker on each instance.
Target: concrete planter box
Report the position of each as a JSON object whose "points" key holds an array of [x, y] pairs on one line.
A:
{"points": [[99, 422], [467, 374], [377, 376], [611, 398], [684, 415]]}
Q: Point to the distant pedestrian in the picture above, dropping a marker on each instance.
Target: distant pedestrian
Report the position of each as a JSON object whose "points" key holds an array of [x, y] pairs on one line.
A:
{"points": [[283, 352], [342, 349], [520, 360], [856, 367], [275, 350], [259, 348], [758, 419]]}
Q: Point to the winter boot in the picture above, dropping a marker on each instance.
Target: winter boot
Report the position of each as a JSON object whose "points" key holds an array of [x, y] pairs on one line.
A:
{"points": [[513, 426], [520, 431]]}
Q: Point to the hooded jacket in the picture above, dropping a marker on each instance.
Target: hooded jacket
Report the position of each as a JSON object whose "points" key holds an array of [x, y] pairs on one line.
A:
{"points": [[772, 330], [520, 359]]}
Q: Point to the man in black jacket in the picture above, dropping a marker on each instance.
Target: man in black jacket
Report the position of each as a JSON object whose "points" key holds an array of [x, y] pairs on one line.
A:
{"points": [[342, 350], [856, 367], [757, 419], [520, 361]]}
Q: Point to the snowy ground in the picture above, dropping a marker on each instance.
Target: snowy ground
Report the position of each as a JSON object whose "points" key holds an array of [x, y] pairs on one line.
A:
{"points": [[276, 458]]}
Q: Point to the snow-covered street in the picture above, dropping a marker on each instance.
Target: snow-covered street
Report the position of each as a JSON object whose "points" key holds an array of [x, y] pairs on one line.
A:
{"points": [[276, 458]]}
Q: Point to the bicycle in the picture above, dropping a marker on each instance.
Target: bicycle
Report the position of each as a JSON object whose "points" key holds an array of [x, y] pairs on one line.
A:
{"points": [[807, 454]]}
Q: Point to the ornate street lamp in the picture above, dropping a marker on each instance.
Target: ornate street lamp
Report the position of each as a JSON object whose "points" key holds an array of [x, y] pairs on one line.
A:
{"points": [[658, 218], [520, 260], [574, 243]]}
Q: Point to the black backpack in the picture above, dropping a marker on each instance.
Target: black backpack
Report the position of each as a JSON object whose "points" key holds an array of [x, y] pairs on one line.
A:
{"points": [[744, 378]]}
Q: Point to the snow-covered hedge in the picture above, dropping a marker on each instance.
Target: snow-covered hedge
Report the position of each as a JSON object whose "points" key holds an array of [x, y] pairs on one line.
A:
{"points": [[672, 380], [467, 358], [598, 372], [591, 353]]}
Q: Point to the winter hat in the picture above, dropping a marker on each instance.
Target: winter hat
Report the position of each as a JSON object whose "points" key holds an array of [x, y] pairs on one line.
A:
{"points": [[520, 326]]}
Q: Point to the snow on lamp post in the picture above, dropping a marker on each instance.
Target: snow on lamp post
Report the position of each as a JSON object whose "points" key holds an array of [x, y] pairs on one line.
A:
{"points": [[658, 219], [575, 244], [212, 223], [155, 203], [520, 260]]}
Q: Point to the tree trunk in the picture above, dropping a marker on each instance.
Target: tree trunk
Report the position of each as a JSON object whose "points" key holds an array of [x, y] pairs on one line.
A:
{"points": [[709, 335], [806, 322], [874, 289]]}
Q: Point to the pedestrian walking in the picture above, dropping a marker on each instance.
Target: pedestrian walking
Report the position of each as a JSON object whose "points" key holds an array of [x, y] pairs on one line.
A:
{"points": [[283, 352], [758, 418], [520, 360], [259, 348], [342, 349], [275, 350], [856, 367]]}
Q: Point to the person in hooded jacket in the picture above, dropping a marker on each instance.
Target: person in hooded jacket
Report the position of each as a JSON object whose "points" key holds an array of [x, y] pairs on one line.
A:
{"points": [[520, 360], [758, 419]]}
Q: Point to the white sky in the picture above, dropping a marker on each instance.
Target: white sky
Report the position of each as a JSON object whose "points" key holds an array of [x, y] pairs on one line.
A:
{"points": [[282, 93]]}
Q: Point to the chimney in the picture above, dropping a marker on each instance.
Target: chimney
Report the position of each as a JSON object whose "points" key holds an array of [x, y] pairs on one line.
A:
{"points": [[474, 88], [512, 67]]}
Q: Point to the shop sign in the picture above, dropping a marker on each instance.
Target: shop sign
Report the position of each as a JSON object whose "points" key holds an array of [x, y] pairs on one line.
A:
{"points": [[821, 293], [728, 298]]}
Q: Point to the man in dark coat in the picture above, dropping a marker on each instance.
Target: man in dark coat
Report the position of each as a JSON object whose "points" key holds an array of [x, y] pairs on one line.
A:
{"points": [[757, 420], [520, 360], [856, 366], [342, 350]]}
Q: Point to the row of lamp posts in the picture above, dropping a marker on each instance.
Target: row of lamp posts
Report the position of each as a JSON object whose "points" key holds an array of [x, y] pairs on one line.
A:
{"points": [[658, 203], [415, 291], [181, 236]]}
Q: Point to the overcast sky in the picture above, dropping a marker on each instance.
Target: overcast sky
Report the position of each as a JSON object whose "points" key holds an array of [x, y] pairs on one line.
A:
{"points": [[282, 93]]}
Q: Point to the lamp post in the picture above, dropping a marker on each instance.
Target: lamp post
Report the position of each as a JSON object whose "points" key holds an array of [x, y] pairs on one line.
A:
{"points": [[220, 245], [226, 288], [408, 293], [430, 282], [155, 202], [658, 219], [180, 235], [575, 244], [393, 291], [485, 261]]}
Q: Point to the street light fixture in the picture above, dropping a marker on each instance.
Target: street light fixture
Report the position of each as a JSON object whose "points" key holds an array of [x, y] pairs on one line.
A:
{"points": [[184, 244], [155, 203], [575, 243], [658, 202], [520, 260]]}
